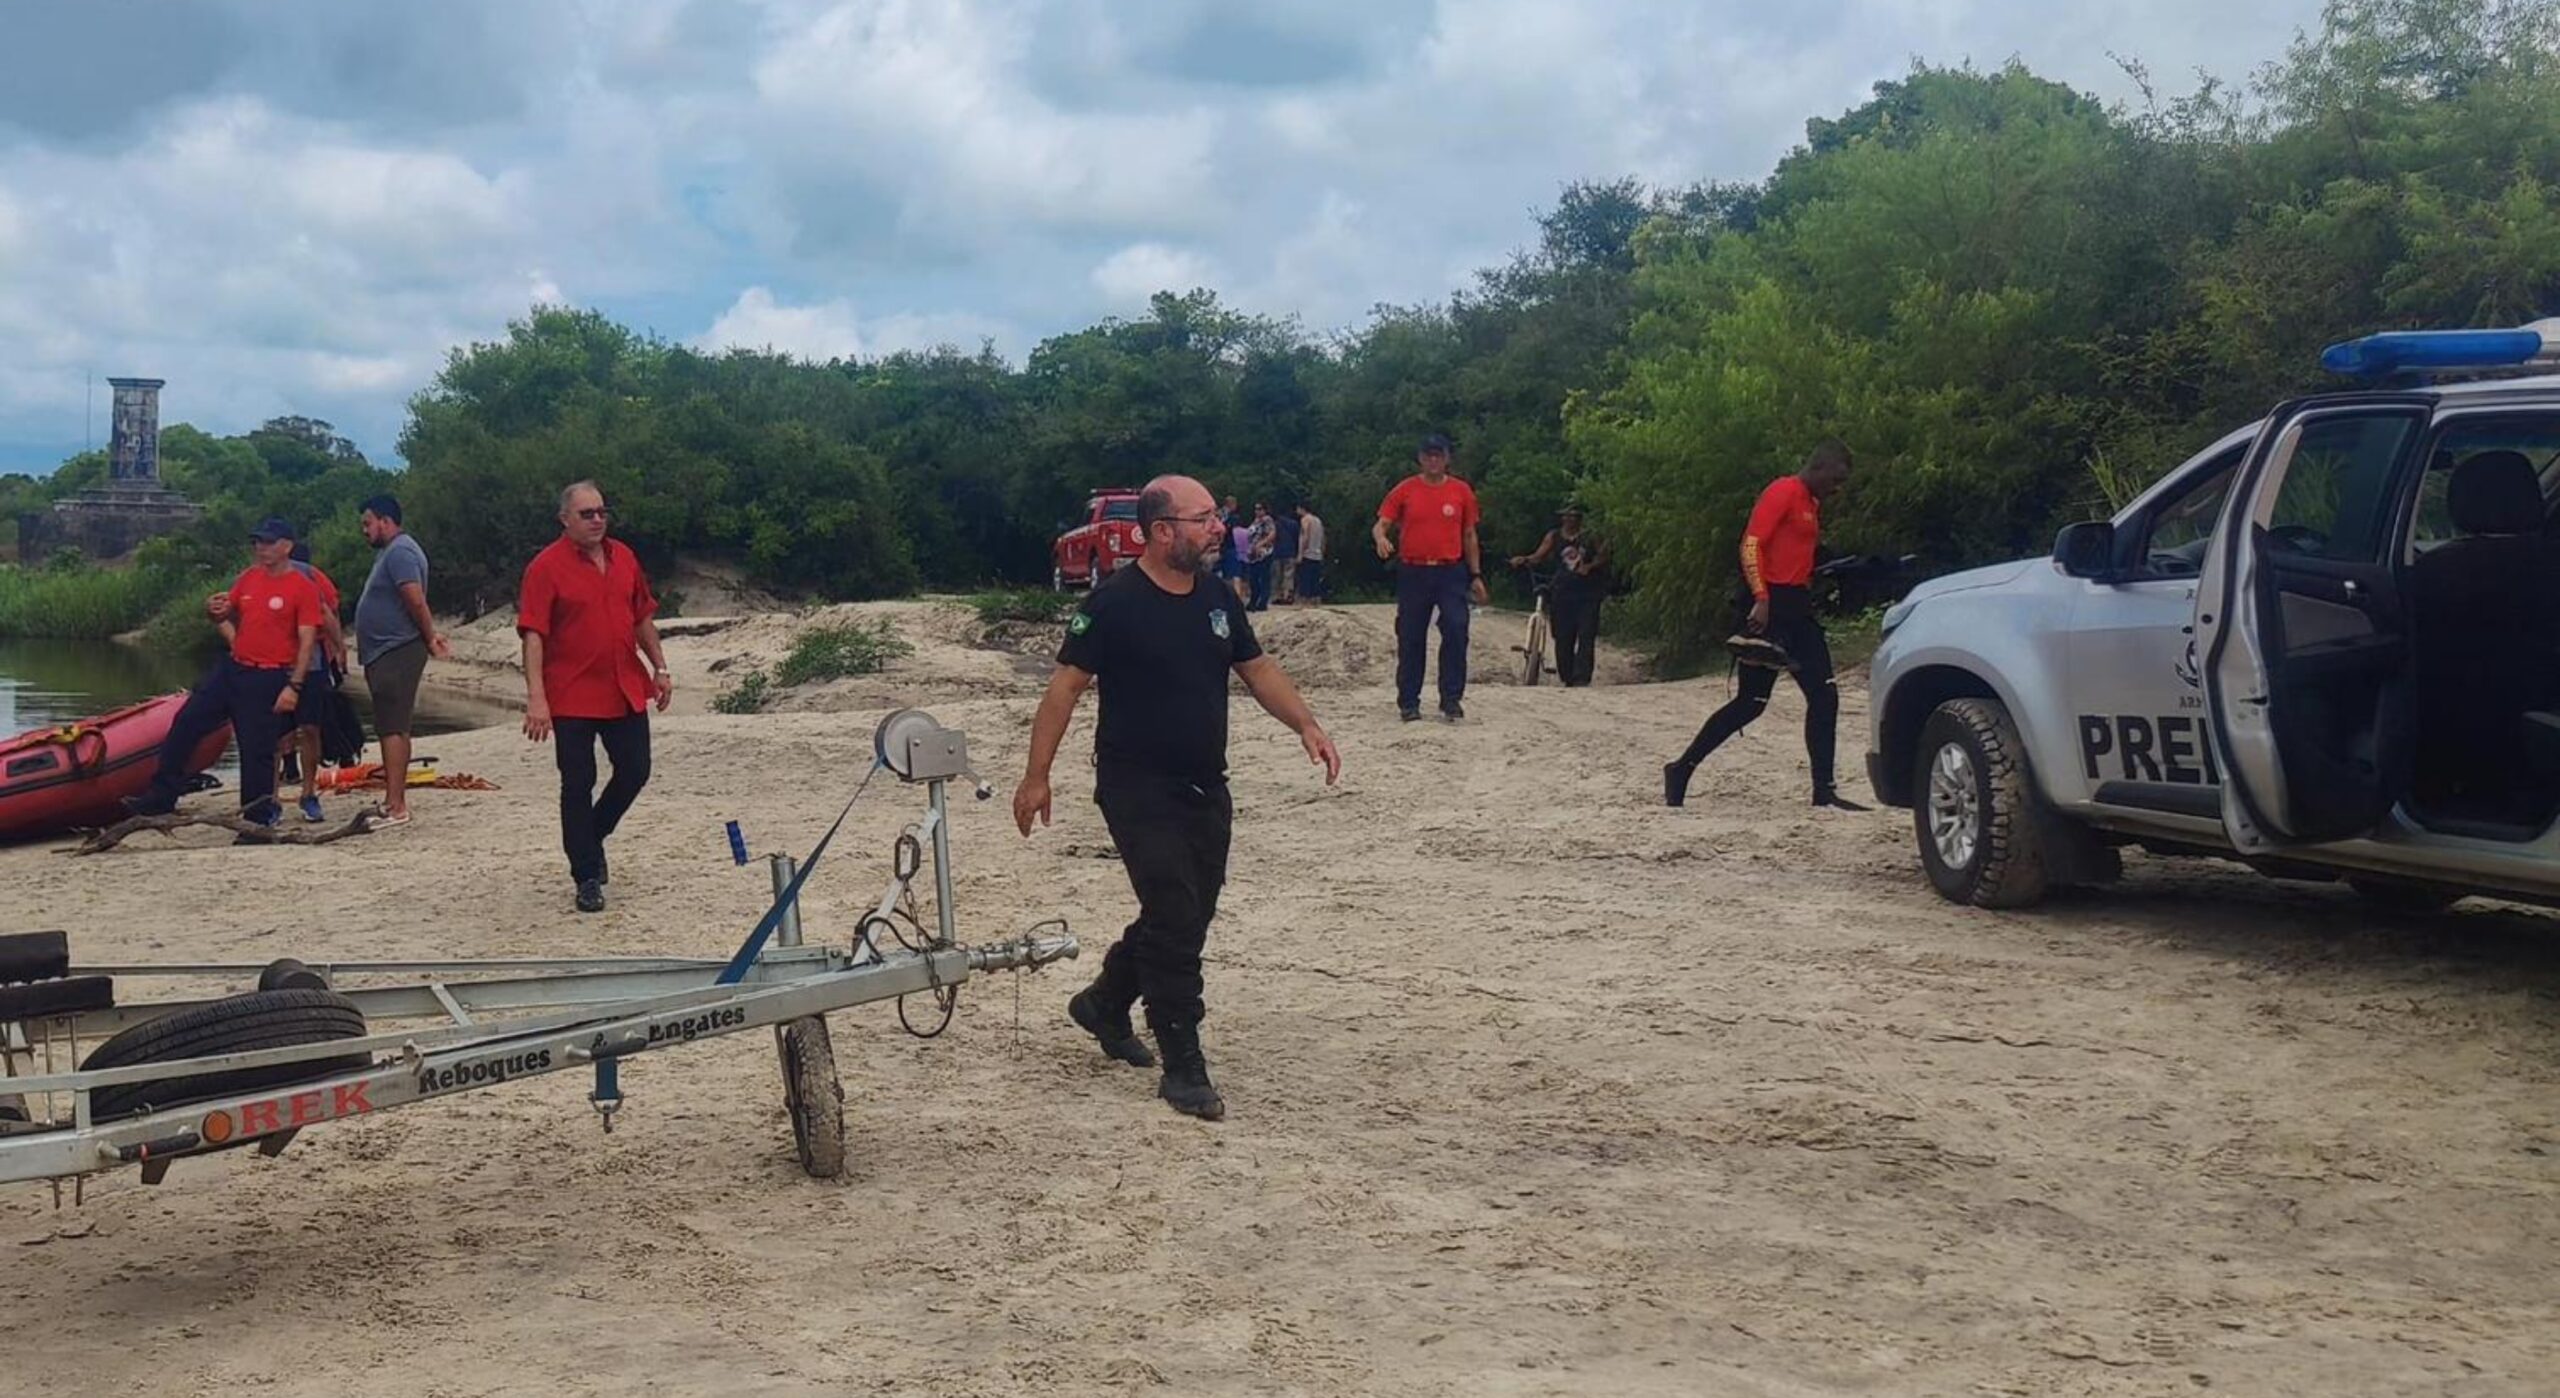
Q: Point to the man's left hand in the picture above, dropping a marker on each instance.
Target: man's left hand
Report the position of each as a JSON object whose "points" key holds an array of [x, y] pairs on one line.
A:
{"points": [[1476, 590], [1320, 748], [287, 698], [666, 690]]}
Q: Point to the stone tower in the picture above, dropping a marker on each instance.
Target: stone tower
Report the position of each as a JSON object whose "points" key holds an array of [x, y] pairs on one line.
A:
{"points": [[132, 507]]}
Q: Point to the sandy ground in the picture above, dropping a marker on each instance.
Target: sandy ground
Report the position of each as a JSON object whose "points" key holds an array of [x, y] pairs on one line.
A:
{"points": [[1534, 1086]]}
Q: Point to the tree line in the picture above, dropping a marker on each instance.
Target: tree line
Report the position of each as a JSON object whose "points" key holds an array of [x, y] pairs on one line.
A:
{"points": [[2017, 304]]}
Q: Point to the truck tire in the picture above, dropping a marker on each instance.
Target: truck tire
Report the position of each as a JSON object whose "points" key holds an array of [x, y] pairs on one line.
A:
{"points": [[1974, 807], [262, 1019]]}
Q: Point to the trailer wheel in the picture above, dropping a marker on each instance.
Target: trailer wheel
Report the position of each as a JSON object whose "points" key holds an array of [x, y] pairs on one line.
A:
{"points": [[263, 1019], [813, 1095]]}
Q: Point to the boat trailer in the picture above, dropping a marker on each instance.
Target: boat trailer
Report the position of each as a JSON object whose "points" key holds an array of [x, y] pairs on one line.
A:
{"points": [[170, 1079]]}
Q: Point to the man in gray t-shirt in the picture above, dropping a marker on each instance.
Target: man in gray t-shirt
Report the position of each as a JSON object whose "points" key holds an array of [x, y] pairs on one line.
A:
{"points": [[395, 633]]}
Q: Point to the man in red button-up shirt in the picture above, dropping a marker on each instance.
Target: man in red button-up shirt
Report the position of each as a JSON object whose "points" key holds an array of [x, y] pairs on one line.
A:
{"points": [[584, 614]]}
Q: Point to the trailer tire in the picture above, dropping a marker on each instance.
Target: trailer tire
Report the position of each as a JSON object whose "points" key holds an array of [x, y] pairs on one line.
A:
{"points": [[813, 1095], [263, 1019]]}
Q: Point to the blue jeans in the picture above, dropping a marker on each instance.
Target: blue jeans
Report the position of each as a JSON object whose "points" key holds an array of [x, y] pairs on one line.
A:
{"points": [[1422, 589], [1257, 573]]}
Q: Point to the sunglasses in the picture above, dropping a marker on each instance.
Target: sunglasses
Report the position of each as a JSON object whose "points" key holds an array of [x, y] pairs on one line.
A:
{"points": [[594, 512]]}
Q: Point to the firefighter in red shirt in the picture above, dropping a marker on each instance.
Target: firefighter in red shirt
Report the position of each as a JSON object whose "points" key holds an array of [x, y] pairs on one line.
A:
{"points": [[271, 618], [1777, 563], [1439, 568], [584, 614]]}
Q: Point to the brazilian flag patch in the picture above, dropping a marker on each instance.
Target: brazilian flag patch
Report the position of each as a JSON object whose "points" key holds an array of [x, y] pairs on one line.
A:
{"points": [[1080, 624]]}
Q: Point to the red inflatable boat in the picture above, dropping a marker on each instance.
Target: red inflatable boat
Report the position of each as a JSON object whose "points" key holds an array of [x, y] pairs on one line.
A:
{"points": [[56, 779]]}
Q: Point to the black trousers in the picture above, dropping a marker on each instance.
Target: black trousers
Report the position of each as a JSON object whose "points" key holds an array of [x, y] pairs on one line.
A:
{"points": [[586, 819], [1576, 618], [1172, 836], [1792, 625], [243, 697]]}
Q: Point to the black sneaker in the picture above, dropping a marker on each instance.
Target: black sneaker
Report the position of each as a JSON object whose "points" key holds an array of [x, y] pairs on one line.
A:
{"points": [[1410, 712], [147, 806], [1836, 801], [1452, 711], [1118, 1038], [1675, 784], [590, 895]]}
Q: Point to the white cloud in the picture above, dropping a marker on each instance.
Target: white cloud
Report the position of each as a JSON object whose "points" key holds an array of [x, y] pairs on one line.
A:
{"points": [[830, 329], [1128, 277], [758, 322]]}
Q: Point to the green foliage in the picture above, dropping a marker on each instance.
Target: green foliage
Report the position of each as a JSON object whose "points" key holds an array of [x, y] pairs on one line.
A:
{"points": [[836, 651], [747, 696], [1025, 604], [80, 602]]}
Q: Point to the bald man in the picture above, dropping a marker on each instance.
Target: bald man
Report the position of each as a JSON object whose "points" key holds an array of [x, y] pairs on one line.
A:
{"points": [[1161, 639]]}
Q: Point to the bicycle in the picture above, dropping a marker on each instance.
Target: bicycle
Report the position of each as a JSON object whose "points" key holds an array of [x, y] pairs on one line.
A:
{"points": [[1533, 654]]}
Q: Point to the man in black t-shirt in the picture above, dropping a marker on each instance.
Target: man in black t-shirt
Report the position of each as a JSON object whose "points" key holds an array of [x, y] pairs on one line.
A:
{"points": [[1161, 638]]}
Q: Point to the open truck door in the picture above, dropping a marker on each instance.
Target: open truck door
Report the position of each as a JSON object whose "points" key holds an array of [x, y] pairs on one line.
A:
{"points": [[2300, 625]]}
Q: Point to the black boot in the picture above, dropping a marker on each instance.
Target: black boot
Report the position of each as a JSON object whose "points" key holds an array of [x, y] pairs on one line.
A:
{"points": [[1831, 797], [1675, 783], [1097, 1012], [1186, 1084]]}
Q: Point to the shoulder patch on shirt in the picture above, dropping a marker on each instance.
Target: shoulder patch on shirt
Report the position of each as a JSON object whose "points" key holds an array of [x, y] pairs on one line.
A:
{"points": [[1218, 622], [1080, 623]]}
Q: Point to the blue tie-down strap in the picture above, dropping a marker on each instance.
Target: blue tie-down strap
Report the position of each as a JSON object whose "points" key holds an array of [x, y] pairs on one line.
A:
{"points": [[753, 946]]}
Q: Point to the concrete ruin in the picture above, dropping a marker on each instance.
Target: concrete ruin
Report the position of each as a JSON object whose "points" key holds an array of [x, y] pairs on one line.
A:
{"points": [[113, 520]]}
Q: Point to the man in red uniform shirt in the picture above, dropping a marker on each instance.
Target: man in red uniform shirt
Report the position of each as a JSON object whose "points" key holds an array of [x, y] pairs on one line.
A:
{"points": [[1777, 564], [270, 616], [1439, 568], [584, 613]]}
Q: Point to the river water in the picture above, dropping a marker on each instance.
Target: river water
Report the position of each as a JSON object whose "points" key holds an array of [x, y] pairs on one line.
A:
{"points": [[45, 684]]}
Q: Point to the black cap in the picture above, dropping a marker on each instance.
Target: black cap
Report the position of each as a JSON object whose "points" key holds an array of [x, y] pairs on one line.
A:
{"points": [[385, 506], [1432, 443], [272, 528]]}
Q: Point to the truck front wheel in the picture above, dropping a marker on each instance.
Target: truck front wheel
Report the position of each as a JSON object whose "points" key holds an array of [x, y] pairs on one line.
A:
{"points": [[1982, 838]]}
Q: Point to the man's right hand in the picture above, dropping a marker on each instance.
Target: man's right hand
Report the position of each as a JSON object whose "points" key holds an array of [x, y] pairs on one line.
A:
{"points": [[218, 605], [1759, 615], [1385, 550], [439, 647], [537, 719], [1031, 799]]}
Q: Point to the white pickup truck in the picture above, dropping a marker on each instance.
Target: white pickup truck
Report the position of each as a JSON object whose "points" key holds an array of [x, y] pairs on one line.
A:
{"points": [[2328, 646]]}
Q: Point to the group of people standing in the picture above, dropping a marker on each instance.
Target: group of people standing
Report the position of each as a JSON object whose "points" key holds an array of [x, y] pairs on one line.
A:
{"points": [[592, 664], [1263, 557], [284, 655]]}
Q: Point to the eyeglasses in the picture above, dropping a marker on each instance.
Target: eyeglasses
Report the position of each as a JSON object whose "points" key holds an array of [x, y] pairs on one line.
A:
{"points": [[595, 512], [1204, 517]]}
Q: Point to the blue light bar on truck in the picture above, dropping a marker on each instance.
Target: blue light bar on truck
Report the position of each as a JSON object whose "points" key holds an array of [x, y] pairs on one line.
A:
{"points": [[2402, 350]]}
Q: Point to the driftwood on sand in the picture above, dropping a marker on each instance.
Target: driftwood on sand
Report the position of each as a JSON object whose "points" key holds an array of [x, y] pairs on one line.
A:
{"points": [[100, 841]]}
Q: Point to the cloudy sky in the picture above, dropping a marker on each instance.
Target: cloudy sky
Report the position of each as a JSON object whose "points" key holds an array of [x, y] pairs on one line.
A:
{"points": [[298, 206]]}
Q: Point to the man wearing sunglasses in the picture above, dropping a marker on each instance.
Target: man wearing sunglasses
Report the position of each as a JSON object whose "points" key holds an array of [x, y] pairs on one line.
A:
{"points": [[1161, 638], [584, 614]]}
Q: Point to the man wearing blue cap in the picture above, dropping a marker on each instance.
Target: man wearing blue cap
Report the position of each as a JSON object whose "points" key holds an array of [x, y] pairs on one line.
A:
{"points": [[271, 618]]}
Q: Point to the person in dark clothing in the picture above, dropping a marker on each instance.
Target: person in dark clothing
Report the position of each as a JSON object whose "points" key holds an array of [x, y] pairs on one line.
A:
{"points": [[1581, 585], [271, 619], [1778, 548], [1161, 639]]}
